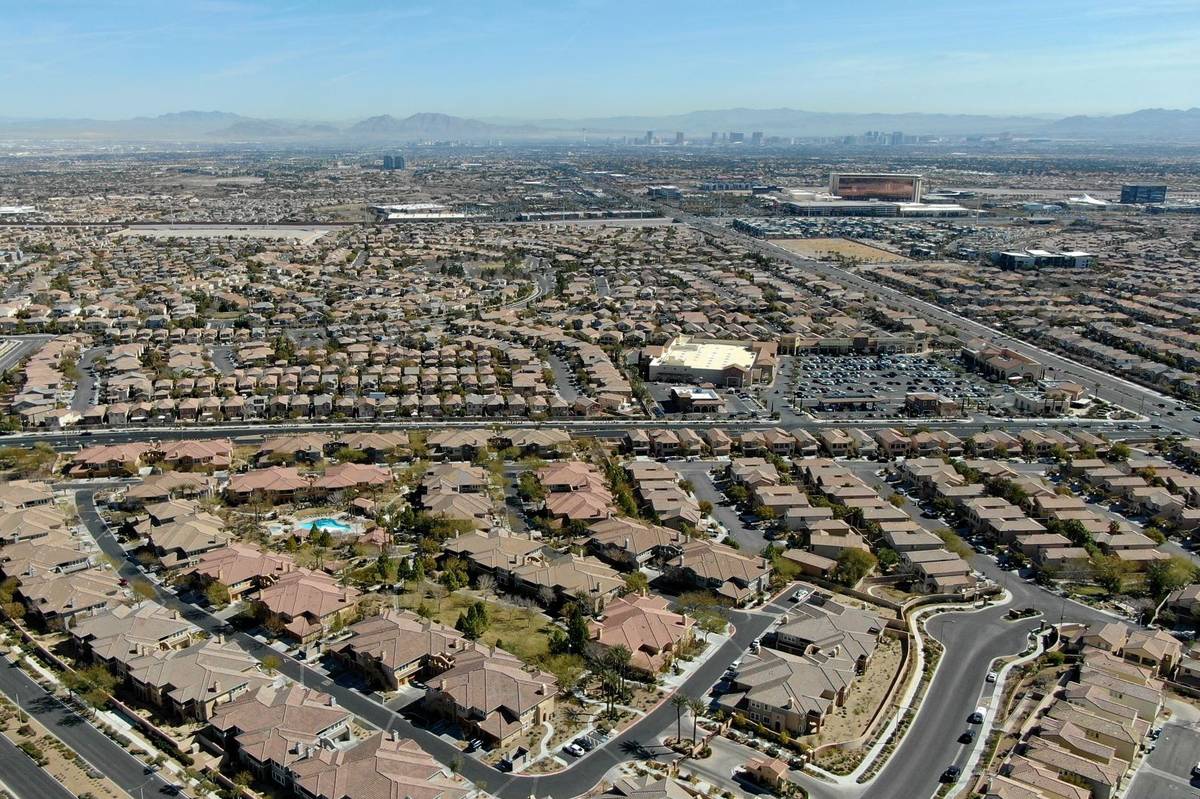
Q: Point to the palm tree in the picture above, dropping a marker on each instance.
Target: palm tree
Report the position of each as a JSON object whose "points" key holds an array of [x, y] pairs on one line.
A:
{"points": [[697, 707], [679, 702]]}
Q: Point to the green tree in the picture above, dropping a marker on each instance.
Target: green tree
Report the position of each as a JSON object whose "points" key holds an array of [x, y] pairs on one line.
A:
{"points": [[217, 594], [94, 684], [271, 664], [577, 630], [636, 583], [1108, 571], [679, 702], [1165, 576], [888, 559], [852, 566], [474, 622]]}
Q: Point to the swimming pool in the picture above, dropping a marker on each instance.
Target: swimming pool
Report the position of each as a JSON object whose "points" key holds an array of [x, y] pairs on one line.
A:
{"points": [[326, 524]]}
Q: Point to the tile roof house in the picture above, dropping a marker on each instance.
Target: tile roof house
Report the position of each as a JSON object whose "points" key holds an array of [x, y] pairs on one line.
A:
{"points": [[396, 646], [721, 569], [127, 632], [305, 603], [825, 626], [789, 692], [274, 484], [274, 727], [561, 578], [351, 476], [241, 568], [56, 600], [384, 766], [630, 544], [645, 626], [494, 694], [192, 682]]}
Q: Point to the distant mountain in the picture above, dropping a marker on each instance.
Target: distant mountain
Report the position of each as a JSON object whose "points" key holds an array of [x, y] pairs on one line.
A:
{"points": [[256, 129], [1156, 124], [793, 122], [430, 126], [221, 126]]}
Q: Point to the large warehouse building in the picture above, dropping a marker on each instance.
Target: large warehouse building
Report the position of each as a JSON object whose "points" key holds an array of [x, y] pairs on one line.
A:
{"points": [[717, 361], [876, 186]]}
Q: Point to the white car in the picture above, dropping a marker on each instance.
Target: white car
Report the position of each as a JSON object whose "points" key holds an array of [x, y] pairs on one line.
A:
{"points": [[574, 749], [991, 676]]}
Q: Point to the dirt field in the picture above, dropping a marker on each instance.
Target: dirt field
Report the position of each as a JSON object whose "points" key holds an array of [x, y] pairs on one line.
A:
{"points": [[825, 248], [865, 694]]}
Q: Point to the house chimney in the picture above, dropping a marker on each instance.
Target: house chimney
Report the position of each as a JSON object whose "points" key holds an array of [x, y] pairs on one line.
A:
{"points": [[545, 689], [333, 701], [216, 687]]}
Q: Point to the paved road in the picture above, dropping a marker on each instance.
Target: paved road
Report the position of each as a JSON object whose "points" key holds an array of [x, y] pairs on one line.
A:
{"points": [[100, 751], [562, 379], [749, 539], [222, 359], [613, 428], [24, 778], [584, 774], [972, 642], [23, 345], [86, 386]]}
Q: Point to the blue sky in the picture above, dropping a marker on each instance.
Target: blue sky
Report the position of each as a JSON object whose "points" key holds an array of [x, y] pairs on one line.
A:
{"points": [[337, 60]]}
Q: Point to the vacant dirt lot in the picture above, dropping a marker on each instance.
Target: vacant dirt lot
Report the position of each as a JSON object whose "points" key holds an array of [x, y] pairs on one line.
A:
{"points": [[827, 248]]}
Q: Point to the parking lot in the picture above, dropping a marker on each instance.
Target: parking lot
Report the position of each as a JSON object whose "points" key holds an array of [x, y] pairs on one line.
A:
{"points": [[739, 403], [1167, 771], [879, 381]]}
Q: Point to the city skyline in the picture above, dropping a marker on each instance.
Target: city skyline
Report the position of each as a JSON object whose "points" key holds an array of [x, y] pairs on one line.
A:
{"points": [[335, 62]]}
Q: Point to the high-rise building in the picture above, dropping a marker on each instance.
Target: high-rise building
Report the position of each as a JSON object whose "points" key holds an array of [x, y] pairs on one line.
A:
{"points": [[876, 186], [393, 162], [1143, 193], [756, 138], [715, 137], [897, 138], [387, 162], [649, 137], [679, 137], [736, 137]]}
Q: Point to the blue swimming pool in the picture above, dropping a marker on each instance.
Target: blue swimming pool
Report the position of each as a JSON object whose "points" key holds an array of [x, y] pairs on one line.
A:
{"points": [[330, 525]]}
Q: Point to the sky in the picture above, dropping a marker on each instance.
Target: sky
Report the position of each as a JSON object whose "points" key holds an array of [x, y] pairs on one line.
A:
{"points": [[531, 59]]}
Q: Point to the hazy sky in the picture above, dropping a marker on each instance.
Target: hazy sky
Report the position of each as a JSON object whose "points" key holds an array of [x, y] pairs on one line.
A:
{"points": [[339, 60]]}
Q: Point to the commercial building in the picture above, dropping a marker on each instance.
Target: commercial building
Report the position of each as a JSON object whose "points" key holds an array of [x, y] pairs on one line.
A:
{"points": [[876, 186], [716, 361], [665, 192], [1143, 193], [1035, 259]]}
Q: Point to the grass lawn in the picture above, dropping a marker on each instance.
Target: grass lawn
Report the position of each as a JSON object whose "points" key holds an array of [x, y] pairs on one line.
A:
{"points": [[522, 631]]}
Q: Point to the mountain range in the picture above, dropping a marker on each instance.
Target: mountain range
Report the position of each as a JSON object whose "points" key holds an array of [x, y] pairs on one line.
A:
{"points": [[1154, 124]]}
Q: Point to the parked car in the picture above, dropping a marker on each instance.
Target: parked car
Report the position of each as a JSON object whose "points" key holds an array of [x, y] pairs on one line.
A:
{"points": [[951, 774], [574, 749], [967, 737]]}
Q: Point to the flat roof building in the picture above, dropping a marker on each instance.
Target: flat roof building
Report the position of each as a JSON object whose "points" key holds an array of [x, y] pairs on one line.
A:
{"points": [[876, 186], [1143, 193], [716, 361]]}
